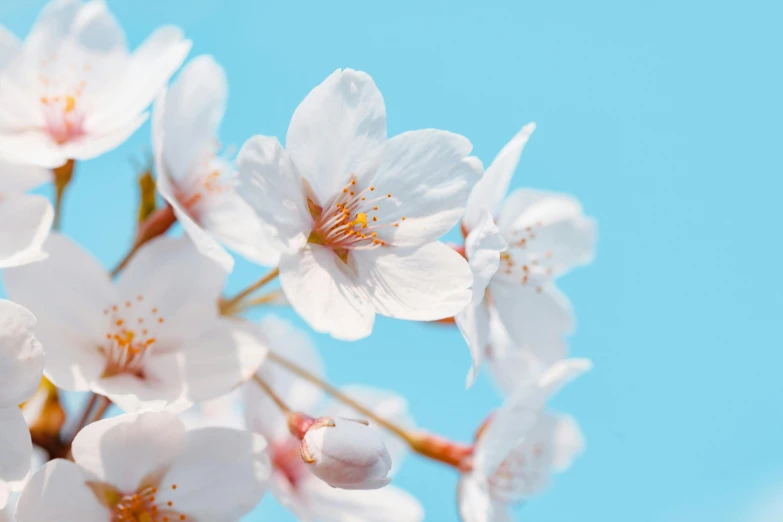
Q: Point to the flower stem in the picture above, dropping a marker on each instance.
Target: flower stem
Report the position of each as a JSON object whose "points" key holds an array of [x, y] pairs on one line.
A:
{"points": [[227, 306], [62, 177], [268, 298], [155, 225], [86, 414], [272, 394], [100, 409]]}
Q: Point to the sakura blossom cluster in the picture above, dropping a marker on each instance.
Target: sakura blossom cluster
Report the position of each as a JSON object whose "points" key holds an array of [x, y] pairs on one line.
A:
{"points": [[190, 411]]}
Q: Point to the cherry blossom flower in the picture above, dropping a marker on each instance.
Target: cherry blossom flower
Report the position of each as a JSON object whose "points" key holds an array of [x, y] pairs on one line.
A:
{"points": [[8, 513], [152, 340], [536, 236], [520, 446], [293, 483], [356, 216], [72, 90], [195, 181], [21, 366], [147, 467]]}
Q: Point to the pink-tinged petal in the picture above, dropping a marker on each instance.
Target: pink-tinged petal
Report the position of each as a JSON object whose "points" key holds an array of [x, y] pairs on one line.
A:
{"points": [[389, 504], [423, 283], [483, 247], [261, 414], [58, 491], [149, 68], [21, 355], [335, 130], [473, 324], [220, 475], [97, 142], [427, 176], [25, 221], [490, 191], [17, 447], [271, 185], [129, 448], [18, 178], [326, 293]]}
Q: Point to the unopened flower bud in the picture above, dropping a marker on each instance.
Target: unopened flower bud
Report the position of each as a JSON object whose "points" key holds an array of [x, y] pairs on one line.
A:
{"points": [[346, 454]]}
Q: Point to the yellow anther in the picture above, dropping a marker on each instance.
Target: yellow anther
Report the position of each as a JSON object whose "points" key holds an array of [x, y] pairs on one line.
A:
{"points": [[70, 103], [361, 219]]}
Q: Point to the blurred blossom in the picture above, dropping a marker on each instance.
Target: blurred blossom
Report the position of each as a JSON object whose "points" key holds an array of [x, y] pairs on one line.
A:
{"points": [[519, 447], [293, 484], [152, 340], [72, 90], [195, 181], [146, 466], [546, 235], [356, 215]]}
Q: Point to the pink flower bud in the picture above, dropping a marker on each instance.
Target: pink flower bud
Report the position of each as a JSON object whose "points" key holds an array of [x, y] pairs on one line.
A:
{"points": [[346, 454]]}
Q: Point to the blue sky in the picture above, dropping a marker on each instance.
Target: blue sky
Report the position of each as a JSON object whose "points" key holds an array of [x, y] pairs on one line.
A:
{"points": [[663, 117]]}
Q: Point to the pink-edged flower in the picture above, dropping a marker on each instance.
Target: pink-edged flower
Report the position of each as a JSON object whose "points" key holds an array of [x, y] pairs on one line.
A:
{"points": [[293, 483], [517, 248], [356, 216], [72, 90], [193, 179], [153, 339], [21, 366], [520, 446], [146, 467]]}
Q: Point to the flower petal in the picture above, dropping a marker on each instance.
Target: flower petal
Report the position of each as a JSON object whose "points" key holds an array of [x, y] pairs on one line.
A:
{"points": [[426, 283], [336, 128], [97, 30], [483, 247], [58, 491], [17, 447], [473, 324], [220, 475], [10, 45], [27, 146], [25, 221], [21, 355], [50, 28], [568, 442], [428, 175], [97, 142], [389, 504], [490, 191], [16, 178], [126, 449], [271, 185], [324, 291]]}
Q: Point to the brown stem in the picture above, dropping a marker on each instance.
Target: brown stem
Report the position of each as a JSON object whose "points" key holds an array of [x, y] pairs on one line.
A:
{"points": [[272, 394], [86, 414], [155, 225], [62, 177], [227, 306], [268, 298], [100, 409]]}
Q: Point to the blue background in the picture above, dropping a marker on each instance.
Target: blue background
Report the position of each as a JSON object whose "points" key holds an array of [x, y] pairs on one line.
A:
{"points": [[663, 117]]}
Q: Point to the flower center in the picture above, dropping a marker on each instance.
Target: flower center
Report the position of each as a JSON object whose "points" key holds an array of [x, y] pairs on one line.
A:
{"points": [[62, 89], [287, 461], [141, 506], [351, 220], [129, 336], [523, 472], [523, 262]]}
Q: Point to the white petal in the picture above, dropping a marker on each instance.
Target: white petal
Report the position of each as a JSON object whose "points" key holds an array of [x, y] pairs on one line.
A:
{"points": [[489, 192], [58, 491], [473, 324], [150, 67], [204, 242], [561, 373], [261, 413], [429, 176], [52, 26], [25, 221], [418, 283], [96, 29], [324, 291], [16, 178], [34, 146], [220, 357], [9, 46], [271, 185], [220, 475], [21, 355], [473, 499], [389, 504], [386, 404], [483, 247], [568, 442], [16, 449], [126, 449], [100, 141], [340, 124]]}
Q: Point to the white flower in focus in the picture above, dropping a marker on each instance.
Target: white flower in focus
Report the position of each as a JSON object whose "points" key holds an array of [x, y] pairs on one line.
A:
{"points": [[355, 216], [536, 236], [72, 90], [194, 180], [21, 367], [293, 484], [346, 453], [152, 340], [146, 467], [520, 446]]}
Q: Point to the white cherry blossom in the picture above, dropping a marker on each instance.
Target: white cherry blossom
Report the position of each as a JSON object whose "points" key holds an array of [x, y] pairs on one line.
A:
{"points": [[152, 340], [21, 366], [193, 179], [536, 236], [293, 483], [357, 216], [520, 446], [72, 90], [147, 467]]}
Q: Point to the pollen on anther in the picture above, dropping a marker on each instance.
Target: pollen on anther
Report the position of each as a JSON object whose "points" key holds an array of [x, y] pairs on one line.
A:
{"points": [[388, 195], [345, 191], [383, 243], [403, 218], [169, 503], [128, 304], [374, 218], [375, 207], [372, 188], [114, 308], [160, 320], [353, 182], [119, 322], [173, 486], [154, 310], [139, 297]]}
